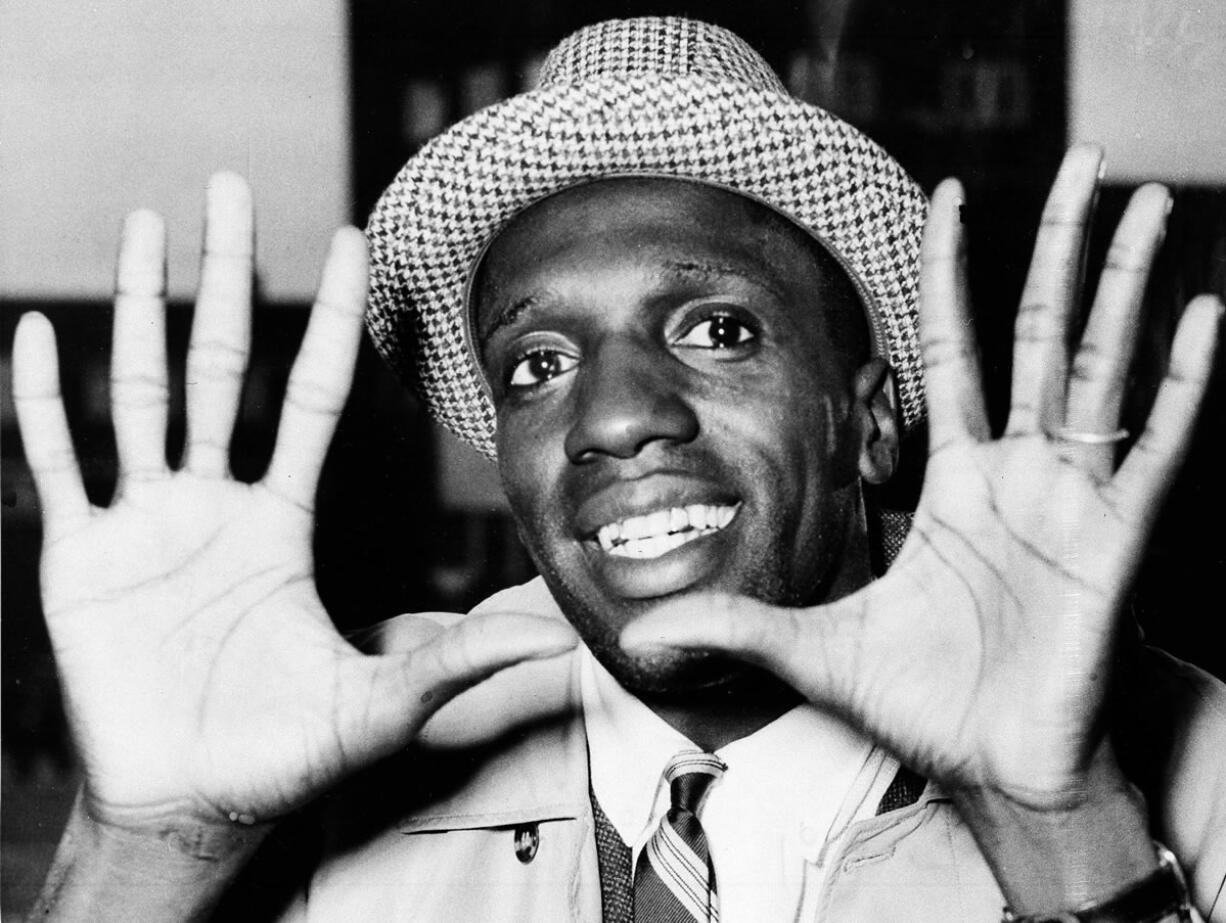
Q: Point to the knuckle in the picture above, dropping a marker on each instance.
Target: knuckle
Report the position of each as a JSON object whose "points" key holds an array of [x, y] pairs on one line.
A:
{"points": [[941, 350], [217, 258], [312, 398], [36, 396], [1061, 212], [216, 359], [138, 391], [460, 647], [139, 291], [1036, 323], [1091, 363], [337, 306], [1186, 376]]}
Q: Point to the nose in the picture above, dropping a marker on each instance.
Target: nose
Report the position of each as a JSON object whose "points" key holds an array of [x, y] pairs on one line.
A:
{"points": [[627, 397]]}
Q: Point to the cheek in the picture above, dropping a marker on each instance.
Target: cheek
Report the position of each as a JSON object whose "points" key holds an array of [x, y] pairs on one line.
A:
{"points": [[810, 467], [516, 466], [825, 422], [797, 426], [529, 468]]}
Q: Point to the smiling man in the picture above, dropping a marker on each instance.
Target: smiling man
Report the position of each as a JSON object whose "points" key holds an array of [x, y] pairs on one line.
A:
{"points": [[680, 309], [685, 400]]}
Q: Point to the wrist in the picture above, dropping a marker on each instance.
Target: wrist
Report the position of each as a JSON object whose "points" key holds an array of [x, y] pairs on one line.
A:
{"points": [[177, 838], [171, 867], [1160, 897], [1052, 853]]}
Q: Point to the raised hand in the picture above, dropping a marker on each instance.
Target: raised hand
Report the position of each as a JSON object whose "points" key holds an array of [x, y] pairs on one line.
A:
{"points": [[983, 657], [205, 684]]}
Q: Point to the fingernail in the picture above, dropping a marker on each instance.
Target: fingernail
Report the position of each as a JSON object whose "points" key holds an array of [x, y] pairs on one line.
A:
{"points": [[142, 219], [225, 185], [140, 269], [1164, 225]]}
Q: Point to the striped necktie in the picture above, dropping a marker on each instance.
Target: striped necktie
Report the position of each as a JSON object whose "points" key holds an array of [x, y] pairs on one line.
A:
{"points": [[674, 880]]}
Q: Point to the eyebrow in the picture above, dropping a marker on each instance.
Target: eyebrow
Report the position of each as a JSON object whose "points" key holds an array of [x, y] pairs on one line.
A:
{"points": [[704, 270], [509, 315], [682, 270]]}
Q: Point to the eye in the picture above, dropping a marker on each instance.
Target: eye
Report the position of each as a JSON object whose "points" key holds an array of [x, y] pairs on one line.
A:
{"points": [[539, 366], [719, 332]]}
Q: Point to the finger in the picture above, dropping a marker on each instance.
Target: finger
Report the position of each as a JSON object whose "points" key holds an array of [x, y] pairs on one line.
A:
{"points": [[221, 328], [951, 362], [397, 635], [1040, 353], [44, 426], [1100, 367], [815, 651], [390, 697], [322, 373], [138, 351], [1147, 472]]}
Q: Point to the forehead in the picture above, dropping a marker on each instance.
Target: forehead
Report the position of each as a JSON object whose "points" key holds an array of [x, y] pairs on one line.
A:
{"points": [[658, 219]]}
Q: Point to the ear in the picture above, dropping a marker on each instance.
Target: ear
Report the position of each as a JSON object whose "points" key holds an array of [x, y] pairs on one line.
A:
{"points": [[877, 419]]}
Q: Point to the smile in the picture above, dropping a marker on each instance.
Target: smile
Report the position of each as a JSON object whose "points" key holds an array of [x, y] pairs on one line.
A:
{"points": [[658, 533]]}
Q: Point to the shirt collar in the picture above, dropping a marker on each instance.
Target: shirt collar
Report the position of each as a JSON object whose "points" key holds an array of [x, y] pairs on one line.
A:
{"points": [[798, 771]]}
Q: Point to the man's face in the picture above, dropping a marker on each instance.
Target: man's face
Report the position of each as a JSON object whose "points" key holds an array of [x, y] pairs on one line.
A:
{"points": [[673, 411]]}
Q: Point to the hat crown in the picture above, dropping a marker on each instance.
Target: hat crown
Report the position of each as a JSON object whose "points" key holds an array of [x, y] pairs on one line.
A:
{"points": [[661, 46]]}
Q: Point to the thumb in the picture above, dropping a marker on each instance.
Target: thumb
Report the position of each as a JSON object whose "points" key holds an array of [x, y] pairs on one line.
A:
{"points": [[812, 649], [386, 699]]}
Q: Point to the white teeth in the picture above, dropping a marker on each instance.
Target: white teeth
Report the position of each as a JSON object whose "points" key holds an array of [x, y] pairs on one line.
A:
{"points": [[659, 523], [608, 535], [655, 545], [657, 533], [697, 514]]}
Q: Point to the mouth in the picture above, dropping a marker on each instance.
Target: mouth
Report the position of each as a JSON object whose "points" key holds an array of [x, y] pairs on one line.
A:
{"points": [[657, 533]]}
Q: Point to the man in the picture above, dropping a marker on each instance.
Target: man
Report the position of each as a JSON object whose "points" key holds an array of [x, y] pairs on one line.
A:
{"points": [[679, 307]]}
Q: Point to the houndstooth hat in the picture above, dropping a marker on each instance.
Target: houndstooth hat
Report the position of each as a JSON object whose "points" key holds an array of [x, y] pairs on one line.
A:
{"points": [[651, 96]]}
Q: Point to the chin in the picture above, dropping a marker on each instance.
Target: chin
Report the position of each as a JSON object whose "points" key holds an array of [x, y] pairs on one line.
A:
{"points": [[674, 675]]}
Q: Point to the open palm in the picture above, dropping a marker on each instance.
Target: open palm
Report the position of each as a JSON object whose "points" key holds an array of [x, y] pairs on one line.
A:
{"points": [[982, 658], [202, 676]]}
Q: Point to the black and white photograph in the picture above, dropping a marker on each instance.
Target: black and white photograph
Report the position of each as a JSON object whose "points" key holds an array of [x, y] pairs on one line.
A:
{"points": [[623, 462]]}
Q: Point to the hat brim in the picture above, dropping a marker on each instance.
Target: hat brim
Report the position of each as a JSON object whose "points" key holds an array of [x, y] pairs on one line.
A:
{"points": [[439, 214]]}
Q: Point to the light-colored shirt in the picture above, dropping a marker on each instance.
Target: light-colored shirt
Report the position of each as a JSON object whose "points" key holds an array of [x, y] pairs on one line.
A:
{"points": [[789, 789]]}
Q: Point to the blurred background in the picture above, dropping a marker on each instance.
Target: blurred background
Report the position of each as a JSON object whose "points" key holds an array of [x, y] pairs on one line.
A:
{"points": [[107, 107]]}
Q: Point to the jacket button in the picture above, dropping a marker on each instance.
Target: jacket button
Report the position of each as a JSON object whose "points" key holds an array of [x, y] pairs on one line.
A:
{"points": [[527, 842]]}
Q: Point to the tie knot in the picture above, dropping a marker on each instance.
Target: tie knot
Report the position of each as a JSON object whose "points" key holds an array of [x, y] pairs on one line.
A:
{"points": [[690, 774]]}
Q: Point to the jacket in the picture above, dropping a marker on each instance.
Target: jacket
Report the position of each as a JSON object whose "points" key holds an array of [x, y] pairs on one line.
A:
{"points": [[488, 817]]}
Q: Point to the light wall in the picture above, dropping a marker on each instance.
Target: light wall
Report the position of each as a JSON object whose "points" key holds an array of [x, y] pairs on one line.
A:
{"points": [[107, 106], [1147, 78]]}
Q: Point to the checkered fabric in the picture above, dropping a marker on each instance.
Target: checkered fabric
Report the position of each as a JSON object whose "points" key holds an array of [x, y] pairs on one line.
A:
{"points": [[674, 880], [890, 529], [614, 859], [652, 96]]}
